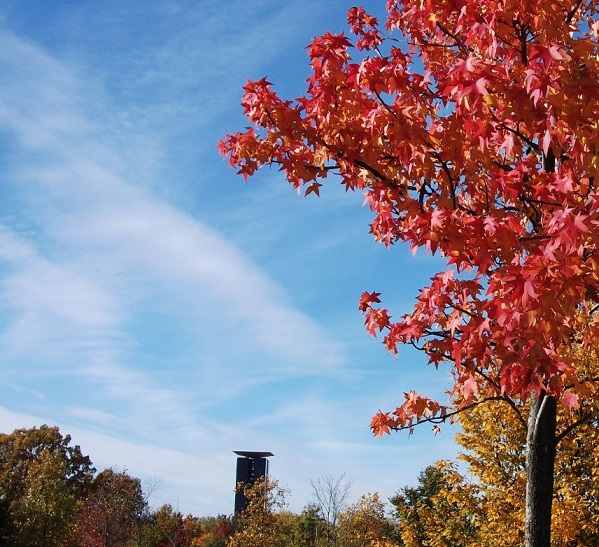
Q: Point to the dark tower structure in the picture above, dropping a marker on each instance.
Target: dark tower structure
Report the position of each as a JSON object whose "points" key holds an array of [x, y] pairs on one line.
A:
{"points": [[250, 467]]}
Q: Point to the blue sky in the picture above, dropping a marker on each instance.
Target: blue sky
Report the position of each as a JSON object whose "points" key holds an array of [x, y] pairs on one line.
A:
{"points": [[153, 305]]}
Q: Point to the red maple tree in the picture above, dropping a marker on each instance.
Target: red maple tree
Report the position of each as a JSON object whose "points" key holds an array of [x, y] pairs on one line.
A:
{"points": [[472, 128]]}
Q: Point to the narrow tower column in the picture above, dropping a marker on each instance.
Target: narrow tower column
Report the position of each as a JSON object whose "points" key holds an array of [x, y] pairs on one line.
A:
{"points": [[250, 467]]}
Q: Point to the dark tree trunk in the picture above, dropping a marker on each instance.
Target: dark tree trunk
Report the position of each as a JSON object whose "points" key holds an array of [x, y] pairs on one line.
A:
{"points": [[540, 460]]}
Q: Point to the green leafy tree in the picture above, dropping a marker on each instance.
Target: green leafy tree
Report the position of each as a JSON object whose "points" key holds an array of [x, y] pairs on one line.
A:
{"points": [[442, 510], [288, 525], [409, 500], [46, 512], [311, 527], [164, 527]]}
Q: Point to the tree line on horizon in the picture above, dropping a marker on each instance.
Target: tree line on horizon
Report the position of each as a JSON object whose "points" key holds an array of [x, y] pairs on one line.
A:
{"points": [[52, 496]]}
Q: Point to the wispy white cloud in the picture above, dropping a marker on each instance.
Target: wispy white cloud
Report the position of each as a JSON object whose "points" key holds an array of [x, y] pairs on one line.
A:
{"points": [[91, 253], [82, 204]]}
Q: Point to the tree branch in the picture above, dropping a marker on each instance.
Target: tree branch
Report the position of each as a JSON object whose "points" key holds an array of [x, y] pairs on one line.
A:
{"points": [[447, 172], [371, 170], [516, 132], [454, 37], [509, 401], [448, 415], [573, 11], [585, 418]]}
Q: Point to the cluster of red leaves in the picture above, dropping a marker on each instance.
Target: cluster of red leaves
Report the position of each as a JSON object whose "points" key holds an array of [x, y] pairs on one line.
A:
{"points": [[471, 126]]}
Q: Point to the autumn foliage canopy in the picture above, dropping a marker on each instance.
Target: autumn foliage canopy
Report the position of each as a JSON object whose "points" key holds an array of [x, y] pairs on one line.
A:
{"points": [[472, 127]]}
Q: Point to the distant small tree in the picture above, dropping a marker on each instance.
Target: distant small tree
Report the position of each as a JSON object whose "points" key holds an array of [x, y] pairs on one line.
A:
{"points": [[209, 531], [164, 527], [441, 511], [289, 526], [257, 525], [330, 495], [410, 499], [112, 511], [365, 524], [311, 527]]}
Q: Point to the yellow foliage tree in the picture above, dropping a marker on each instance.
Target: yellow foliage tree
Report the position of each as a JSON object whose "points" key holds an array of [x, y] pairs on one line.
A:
{"points": [[494, 505], [258, 524], [365, 524], [496, 455]]}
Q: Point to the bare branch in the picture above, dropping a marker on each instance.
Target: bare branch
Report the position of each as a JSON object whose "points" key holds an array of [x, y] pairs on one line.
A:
{"points": [[330, 495], [585, 418]]}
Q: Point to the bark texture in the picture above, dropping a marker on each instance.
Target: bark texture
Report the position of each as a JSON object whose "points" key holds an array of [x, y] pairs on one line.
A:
{"points": [[540, 462]]}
